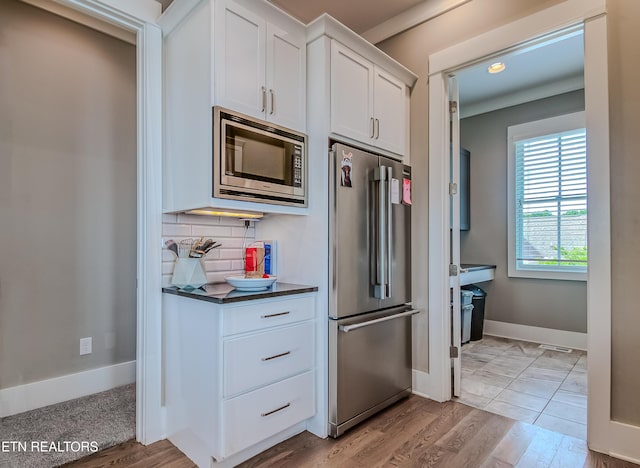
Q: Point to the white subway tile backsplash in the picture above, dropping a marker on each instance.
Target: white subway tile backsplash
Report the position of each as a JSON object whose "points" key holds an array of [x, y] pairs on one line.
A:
{"points": [[233, 242], [218, 265], [218, 277], [230, 254], [168, 255], [211, 231], [167, 268], [223, 261], [239, 232], [214, 254], [183, 230]]}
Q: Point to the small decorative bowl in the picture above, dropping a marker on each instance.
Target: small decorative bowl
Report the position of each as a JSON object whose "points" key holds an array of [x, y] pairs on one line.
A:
{"points": [[250, 284]]}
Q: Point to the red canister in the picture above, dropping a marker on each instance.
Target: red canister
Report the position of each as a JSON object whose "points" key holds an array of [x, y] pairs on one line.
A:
{"points": [[251, 260]]}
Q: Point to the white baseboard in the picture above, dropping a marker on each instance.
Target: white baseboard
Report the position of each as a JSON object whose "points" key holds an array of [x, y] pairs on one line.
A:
{"points": [[624, 441], [14, 400], [425, 386], [568, 339]]}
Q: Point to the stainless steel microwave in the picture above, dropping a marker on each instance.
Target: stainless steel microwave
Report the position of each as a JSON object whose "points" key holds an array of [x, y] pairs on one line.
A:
{"points": [[258, 161]]}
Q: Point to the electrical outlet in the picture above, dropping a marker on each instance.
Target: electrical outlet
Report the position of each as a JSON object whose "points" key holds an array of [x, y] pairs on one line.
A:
{"points": [[85, 346]]}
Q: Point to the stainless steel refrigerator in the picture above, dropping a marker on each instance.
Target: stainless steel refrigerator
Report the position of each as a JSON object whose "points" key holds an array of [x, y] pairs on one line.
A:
{"points": [[369, 286]]}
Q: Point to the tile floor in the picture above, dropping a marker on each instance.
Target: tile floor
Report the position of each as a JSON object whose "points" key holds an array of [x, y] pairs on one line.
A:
{"points": [[519, 380]]}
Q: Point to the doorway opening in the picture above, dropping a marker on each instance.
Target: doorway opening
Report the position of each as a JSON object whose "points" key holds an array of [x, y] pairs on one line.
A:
{"points": [[68, 308], [520, 212]]}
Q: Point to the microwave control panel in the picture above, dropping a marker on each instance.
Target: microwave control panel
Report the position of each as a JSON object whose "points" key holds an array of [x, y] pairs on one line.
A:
{"points": [[297, 166]]}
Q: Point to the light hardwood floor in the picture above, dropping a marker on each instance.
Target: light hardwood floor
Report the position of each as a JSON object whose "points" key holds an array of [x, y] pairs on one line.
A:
{"points": [[413, 433]]}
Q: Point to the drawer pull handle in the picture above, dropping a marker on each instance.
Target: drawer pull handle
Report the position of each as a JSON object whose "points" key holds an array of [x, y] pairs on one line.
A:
{"points": [[276, 410], [276, 356], [275, 315]]}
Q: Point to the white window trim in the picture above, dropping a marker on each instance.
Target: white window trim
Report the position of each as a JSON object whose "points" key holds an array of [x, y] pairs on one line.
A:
{"points": [[561, 123]]}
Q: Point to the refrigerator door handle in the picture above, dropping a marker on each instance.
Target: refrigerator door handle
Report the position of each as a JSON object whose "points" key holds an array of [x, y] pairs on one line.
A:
{"points": [[389, 226], [355, 326], [380, 286]]}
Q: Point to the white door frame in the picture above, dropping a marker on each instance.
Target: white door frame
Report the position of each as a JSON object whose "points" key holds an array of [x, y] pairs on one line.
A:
{"points": [[140, 17], [604, 435]]}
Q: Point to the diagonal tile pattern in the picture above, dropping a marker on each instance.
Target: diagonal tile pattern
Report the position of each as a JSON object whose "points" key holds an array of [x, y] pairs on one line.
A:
{"points": [[522, 381]]}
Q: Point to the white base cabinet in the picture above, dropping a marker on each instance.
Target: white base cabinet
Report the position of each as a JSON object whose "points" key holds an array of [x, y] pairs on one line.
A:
{"points": [[239, 377]]}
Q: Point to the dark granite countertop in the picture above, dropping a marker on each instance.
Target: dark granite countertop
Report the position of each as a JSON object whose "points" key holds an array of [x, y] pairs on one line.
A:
{"points": [[224, 293], [476, 267]]}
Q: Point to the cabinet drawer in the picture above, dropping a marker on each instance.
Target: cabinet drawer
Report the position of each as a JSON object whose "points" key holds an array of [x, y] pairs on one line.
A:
{"points": [[256, 316], [256, 360], [255, 416]]}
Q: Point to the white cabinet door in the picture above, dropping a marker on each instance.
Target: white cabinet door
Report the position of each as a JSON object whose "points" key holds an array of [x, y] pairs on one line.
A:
{"points": [[351, 94], [286, 73], [390, 112], [240, 51]]}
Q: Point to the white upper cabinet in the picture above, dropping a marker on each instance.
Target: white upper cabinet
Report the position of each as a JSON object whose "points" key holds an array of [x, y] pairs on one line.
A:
{"points": [[390, 111], [286, 83], [368, 104], [259, 66], [240, 51], [351, 94], [243, 55]]}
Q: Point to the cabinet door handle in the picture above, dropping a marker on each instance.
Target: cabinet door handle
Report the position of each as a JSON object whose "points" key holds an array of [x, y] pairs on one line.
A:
{"points": [[276, 356], [373, 126], [278, 314], [276, 410], [264, 99], [273, 101], [377, 129]]}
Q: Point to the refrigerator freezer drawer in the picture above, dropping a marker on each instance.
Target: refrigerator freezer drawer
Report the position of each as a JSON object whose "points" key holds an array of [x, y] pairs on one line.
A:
{"points": [[370, 365]]}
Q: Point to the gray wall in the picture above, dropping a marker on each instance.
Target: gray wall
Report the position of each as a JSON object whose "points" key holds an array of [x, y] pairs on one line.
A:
{"points": [[67, 196], [561, 305], [413, 47]]}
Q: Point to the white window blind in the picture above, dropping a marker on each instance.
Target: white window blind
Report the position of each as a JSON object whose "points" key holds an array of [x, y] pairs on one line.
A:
{"points": [[551, 202]]}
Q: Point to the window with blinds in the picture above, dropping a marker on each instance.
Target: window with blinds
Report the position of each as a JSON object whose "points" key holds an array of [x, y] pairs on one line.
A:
{"points": [[551, 200], [548, 191]]}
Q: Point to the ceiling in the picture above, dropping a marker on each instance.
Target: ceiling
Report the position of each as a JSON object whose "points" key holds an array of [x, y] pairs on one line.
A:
{"points": [[534, 72], [359, 15]]}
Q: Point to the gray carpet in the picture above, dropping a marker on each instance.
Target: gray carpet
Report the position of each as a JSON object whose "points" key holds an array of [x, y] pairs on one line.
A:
{"points": [[101, 420]]}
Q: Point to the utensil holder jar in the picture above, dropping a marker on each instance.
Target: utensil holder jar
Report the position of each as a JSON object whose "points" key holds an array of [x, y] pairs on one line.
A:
{"points": [[188, 273]]}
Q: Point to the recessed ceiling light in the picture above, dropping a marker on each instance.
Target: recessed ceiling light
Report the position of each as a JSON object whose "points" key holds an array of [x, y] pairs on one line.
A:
{"points": [[496, 67]]}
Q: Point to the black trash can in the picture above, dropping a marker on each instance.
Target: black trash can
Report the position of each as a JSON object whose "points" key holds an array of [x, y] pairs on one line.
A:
{"points": [[477, 316]]}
